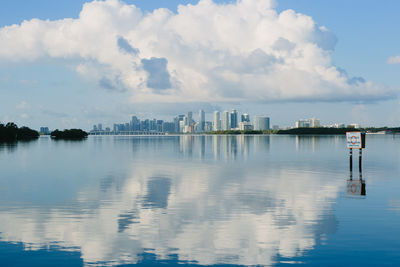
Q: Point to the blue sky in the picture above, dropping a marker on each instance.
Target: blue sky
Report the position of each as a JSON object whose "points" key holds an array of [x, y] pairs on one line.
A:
{"points": [[48, 91]]}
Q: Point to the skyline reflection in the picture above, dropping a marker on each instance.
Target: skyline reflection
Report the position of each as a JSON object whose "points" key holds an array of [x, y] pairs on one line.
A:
{"points": [[241, 200], [208, 212]]}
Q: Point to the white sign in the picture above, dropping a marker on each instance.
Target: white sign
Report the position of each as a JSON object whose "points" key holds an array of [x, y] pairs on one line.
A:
{"points": [[353, 140]]}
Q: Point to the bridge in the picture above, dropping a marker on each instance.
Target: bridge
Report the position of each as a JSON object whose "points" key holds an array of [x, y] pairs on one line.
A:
{"points": [[126, 133]]}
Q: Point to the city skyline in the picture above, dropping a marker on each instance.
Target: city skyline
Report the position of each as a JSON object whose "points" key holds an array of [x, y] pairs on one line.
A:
{"points": [[309, 62], [186, 123]]}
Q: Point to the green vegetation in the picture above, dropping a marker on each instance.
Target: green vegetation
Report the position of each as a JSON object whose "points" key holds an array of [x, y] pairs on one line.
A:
{"points": [[72, 134], [321, 130], [11, 133]]}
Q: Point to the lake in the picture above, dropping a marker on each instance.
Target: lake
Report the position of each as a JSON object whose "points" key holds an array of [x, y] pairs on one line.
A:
{"points": [[200, 200]]}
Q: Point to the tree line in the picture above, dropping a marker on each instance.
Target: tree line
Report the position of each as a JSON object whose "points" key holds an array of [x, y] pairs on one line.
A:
{"points": [[72, 134], [10, 132]]}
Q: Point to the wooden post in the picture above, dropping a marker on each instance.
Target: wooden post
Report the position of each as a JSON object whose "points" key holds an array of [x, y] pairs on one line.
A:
{"points": [[351, 159]]}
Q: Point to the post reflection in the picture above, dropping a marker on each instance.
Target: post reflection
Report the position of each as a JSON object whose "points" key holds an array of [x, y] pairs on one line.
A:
{"points": [[356, 187]]}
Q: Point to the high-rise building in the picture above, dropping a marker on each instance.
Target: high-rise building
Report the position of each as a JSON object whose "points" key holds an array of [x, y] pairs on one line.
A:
{"points": [[315, 123], [45, 130], [100, 127], [234, 119], [245, 125], [261, 123], [202, 120], [208, 127], [182, 126], [225, 121], [217, 121], [245, 117], [189, 118], [135, 124], [159, 125], [177, 120], [303, 124], [168, 127]]}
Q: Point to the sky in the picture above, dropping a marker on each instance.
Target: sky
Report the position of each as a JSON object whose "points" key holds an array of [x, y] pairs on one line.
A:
{"points": [[67, 64]]}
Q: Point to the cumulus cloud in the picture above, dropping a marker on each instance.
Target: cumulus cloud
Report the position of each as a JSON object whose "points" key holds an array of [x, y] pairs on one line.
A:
{"points": [[394, 60], [242, 51]]}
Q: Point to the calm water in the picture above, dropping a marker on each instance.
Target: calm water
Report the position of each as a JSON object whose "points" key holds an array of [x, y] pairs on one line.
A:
{"points": [[201, 200]]}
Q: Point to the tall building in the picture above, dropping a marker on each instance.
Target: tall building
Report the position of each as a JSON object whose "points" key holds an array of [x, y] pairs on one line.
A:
{"points": [[208, 127], [303, 123], [245, 117], [217, 121], [159, 125], [261, 123], [177, 121], [182, 126], [100, 127], [315, 123], [234, 119], [189, 118], [135, 124], [245, 125], [45, 130], [225, 121], [168, 127], [202, 120]]}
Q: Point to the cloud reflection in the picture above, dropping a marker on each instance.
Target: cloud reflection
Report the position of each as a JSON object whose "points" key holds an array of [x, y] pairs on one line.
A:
{"points": [[235, 212]]}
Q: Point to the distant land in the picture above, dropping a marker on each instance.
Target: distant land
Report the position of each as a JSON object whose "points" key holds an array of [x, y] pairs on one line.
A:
{"points": [[72, 134], [11, 133], [335, 131]]}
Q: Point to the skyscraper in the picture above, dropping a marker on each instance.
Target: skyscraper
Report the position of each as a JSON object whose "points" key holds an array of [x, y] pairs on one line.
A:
{"points": [[135, 124], [225, 121], [202, 120], [217, 121], [177, 121], [233, 119], [245, 117], [190, 118], [315, 122], [261, 123]]}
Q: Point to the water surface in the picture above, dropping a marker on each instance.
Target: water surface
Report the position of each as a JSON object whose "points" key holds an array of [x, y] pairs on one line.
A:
{"points": [[199, 200]]}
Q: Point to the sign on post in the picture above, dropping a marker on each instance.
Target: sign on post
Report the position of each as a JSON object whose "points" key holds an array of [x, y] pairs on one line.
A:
{"points": [[355, 140]]}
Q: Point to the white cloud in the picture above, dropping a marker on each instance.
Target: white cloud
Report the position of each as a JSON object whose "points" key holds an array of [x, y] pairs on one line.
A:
{"points": [[207, 52], [394, 60]]}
